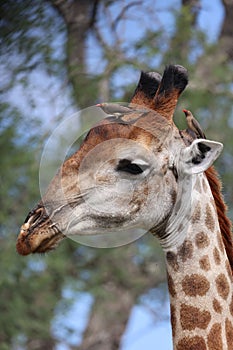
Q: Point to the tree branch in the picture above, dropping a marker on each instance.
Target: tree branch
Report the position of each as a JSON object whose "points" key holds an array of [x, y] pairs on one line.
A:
{"points": [[226, 34], [123, 11]]}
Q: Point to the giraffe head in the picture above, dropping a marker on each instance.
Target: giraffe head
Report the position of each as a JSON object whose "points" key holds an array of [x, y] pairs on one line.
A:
{"points": [[126, 174]]}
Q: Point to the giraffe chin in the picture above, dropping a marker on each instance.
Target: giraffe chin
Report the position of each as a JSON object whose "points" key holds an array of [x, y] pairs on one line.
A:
{"points": [[37, 239]]}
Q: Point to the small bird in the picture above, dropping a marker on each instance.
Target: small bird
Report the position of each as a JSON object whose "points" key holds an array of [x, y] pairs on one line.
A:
{"points": [[114, 109], [193, 125], [122, 114]]}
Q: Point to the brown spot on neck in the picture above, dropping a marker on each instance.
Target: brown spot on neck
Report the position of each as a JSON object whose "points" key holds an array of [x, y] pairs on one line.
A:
{"points": [[214, 340], [202, 240], [196, 214], [194, 285], [192, 343], [229, 334], [171, 286], [217, 257], [223, 287], [192, 318], [209, 219], [185, 251], [204, 263], [217, 306]]}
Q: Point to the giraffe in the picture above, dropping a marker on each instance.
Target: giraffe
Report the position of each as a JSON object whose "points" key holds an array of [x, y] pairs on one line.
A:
{"points": [[174, 194]]}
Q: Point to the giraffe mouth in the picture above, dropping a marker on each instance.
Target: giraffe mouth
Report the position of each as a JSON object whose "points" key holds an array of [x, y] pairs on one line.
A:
{"points": [[38, 234]]}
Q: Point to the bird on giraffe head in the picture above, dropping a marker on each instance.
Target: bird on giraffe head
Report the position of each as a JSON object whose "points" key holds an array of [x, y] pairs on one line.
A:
{"points": [[141, 100], [194, 128], [114, 108]]}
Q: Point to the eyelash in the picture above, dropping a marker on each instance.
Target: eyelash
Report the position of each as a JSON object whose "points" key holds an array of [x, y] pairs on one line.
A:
{"points": [[129, 167]]}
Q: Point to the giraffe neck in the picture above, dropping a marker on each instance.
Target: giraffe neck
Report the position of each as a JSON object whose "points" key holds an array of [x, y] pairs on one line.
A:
{"points": [[199, 274]]}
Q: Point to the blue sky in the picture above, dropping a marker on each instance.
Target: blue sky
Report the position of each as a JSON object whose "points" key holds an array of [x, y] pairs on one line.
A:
{"points": [[148, 323]]}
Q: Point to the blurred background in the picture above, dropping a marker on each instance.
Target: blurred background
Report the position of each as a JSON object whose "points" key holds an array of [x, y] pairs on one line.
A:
{"points": [[57, 57]]}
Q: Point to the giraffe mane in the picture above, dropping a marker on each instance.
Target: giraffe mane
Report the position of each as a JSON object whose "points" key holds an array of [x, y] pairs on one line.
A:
{"points": [[224, 221]]}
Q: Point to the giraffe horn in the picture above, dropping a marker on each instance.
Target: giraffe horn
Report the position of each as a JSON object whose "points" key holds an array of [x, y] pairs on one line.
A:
{"points": [[146, 89], [174, 81]]}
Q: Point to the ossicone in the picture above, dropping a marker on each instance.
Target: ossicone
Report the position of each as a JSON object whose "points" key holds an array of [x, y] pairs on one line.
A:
{"points": [[173, 83]]}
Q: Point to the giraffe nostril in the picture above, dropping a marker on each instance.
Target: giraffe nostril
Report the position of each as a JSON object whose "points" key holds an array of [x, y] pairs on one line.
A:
{"points": [[35, 217]]}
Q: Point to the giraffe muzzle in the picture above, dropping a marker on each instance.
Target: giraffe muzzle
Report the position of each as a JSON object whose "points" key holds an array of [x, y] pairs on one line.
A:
{"points": [[38, 234]]}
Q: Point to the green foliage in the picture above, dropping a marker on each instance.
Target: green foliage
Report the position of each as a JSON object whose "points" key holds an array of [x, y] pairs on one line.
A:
{"points": [[29, 288], [29, 30], [18, 173]]}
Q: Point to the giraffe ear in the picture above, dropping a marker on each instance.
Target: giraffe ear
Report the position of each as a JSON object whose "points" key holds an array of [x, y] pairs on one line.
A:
{"points": [[200, 155]]}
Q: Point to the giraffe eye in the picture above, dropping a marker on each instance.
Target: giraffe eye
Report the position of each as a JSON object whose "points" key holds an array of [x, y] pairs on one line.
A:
{"points": [[128, 166]]}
